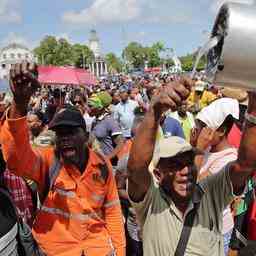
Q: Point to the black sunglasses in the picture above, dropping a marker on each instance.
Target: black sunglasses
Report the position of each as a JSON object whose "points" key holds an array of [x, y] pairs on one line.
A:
{"points": [[77, 102]]}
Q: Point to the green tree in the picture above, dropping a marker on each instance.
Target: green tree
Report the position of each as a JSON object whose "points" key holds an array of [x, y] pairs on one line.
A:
{"points": [[46, 51], [153, 54], [113, 62], [64, 55], [189, 60], [152, 57], [61, 53], [158, 46], [135, 54], [82, 55]]}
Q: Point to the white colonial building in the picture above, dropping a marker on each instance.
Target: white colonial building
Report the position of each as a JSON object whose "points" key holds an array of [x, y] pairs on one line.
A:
{"points": [[98, 67], [11, 54]]}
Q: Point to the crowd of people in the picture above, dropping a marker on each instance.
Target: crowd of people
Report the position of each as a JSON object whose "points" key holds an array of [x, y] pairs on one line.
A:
{"points": [[136, 165]]}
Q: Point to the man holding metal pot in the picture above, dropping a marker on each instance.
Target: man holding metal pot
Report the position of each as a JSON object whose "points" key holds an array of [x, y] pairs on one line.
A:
{"points": [[180, 216]]}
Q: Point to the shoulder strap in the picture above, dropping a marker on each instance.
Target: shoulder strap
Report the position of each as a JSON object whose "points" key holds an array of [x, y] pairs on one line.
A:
{"points": [[51, 177], [187, 226], [104, 169], [185, 233]]}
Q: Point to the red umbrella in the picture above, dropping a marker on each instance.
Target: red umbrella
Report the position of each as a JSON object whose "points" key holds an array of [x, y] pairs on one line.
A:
{"points": [[65, 76]]}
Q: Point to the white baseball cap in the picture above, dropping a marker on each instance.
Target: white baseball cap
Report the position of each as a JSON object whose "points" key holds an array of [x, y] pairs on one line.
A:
{"points": [[215, 114], [168, 147]]}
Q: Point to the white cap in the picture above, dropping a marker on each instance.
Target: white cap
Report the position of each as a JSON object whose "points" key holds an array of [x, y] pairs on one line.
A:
{"points": [[168, 147], [215, 114]]}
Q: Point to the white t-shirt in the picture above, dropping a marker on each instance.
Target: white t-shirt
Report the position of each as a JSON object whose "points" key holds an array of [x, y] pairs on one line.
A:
{"points": [[213, 163], [88, 120]]}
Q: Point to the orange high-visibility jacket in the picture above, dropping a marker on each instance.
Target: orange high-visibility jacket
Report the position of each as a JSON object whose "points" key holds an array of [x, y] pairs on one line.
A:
{"points": [[125, 149], [81, 214]]}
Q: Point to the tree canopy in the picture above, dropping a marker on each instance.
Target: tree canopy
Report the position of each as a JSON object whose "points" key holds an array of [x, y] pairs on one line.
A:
{"points": [[136, 54], [61, 53], [189, 60], [82, 55], [113, 62]]}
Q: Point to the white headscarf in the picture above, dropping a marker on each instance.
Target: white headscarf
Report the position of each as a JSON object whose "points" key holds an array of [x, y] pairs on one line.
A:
{"points": [[215, 114]]}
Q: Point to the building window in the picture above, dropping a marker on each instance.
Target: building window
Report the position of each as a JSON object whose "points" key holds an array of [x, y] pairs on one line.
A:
{"points": [[4, 56], [27, 56], [12, 55], [19, 55]]}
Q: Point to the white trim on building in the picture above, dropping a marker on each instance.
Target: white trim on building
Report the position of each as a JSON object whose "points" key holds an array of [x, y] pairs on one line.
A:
{"points": [[11, 54]]}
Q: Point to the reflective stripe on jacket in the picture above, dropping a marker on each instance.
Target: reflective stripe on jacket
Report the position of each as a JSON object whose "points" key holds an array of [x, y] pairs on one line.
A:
{"points": [[82, 213]]}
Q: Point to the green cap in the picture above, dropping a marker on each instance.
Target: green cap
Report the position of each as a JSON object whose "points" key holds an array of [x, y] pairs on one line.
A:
{"points": [[100, 100]]}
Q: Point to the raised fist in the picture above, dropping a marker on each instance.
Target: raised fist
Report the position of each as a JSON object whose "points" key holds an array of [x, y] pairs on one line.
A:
{"points": [[171, 96], [23, 83]]}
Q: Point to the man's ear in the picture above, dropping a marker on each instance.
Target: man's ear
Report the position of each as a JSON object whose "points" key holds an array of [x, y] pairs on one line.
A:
{"points": [[158, 174]]}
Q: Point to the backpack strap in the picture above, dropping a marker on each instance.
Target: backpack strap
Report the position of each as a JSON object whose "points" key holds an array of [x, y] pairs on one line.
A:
{"points": [[50, 178], [187, 226], [104, 168], [55, 170]]}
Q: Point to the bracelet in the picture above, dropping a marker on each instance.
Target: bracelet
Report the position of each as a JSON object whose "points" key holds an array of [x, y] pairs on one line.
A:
{"points": [[250, 118]]}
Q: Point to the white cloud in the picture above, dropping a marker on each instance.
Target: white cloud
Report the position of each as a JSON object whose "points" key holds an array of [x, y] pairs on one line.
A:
{"points": [[118, 11], [218, 3], [9, 11], [106, 11]]}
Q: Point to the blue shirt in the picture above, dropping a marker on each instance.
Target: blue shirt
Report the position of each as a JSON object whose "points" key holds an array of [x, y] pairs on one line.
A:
{"points": [[104, 129], [124, 114], [172, 127]]}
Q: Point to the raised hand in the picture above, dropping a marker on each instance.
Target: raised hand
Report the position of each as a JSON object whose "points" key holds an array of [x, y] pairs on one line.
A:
{"points": [[205, 138], [171, 96], [23, 84]]}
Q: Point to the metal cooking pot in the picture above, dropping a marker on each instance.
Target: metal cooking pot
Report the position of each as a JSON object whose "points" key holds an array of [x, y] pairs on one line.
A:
{"points": [[232, 62]]}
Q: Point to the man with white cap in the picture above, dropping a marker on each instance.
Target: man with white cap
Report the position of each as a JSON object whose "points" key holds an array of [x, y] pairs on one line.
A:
{"points": [[210, 135], [179, 216]]}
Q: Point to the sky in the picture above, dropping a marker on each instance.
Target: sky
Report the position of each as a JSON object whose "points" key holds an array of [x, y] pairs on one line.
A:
{"points": [[183, 25]]}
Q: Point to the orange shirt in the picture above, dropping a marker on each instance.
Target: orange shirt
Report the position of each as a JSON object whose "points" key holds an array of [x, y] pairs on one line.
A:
{"points": [[125, 149], [81, 213]]}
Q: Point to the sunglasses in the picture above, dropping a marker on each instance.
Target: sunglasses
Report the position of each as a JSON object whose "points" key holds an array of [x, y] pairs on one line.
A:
{"points": [[176, 165], [77, 102]]}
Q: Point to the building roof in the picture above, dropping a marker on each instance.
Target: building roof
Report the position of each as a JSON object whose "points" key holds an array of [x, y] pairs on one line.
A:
{"points": [[14, 46]]}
